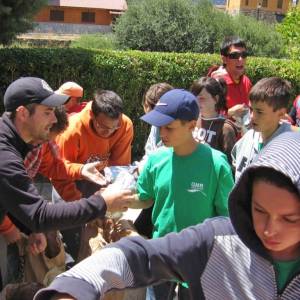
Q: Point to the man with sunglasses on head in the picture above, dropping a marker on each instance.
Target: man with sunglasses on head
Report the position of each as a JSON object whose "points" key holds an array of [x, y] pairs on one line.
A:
{"points": [[234, 53]]}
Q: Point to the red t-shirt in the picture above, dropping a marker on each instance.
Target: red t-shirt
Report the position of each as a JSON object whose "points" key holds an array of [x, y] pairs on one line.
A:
{"points": [[237, 93]]}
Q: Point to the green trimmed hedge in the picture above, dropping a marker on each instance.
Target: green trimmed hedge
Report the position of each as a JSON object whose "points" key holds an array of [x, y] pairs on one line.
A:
{"points": [[128, 73]]}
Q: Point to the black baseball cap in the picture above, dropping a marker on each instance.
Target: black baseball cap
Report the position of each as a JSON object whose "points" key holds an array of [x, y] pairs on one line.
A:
{"points": [[174, 104], [28, 90]]}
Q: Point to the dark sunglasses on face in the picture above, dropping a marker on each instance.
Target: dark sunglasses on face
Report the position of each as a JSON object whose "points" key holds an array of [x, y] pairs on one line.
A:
{"points": [[237, 55]]}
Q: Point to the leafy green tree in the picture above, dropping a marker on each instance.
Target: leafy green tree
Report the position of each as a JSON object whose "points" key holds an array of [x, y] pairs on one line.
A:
{"points": [[157, 25], [190, 26], [172, 25], [290, 32], [262, 38], [16, 17], [210, 27]]}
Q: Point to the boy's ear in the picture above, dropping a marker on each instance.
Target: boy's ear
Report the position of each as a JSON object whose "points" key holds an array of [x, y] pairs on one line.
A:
{"points": [[192, 124], [281, 112]]}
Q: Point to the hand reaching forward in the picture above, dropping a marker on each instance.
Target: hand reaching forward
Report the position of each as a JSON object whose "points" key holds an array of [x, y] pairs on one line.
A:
{"points": [[37, 243], [117, 200], [237, 110], [90, 171]]}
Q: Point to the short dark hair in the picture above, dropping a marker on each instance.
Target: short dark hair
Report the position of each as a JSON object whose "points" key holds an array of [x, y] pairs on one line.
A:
{"points": [[154, 93], [215, 87], [231, 41], [62, 120], [274, 177], [31, 108], [275, 91], [108, 103]]}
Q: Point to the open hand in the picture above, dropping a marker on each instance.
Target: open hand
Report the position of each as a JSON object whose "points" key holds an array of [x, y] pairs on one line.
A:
{"points": [[90, 171], [237, 111]]}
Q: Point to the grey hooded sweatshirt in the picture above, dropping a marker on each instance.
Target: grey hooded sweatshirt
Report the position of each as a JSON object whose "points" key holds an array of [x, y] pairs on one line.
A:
{"points": [[245, 150], [219, 259]]}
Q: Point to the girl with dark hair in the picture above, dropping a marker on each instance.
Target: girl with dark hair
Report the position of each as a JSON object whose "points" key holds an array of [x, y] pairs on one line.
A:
{"points": [[212, 127]]}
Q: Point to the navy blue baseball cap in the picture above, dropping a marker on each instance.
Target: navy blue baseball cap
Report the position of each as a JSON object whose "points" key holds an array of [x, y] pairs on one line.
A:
{"points": [[28, 90], [174, 104]]}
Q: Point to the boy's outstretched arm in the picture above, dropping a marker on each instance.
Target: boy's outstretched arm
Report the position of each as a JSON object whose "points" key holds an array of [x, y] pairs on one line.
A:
{"points": [[137, 203], [136, 262]]}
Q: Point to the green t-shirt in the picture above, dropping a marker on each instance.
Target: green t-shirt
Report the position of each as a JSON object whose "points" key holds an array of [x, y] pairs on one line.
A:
{"points": [[285, 271], [186, 189]]}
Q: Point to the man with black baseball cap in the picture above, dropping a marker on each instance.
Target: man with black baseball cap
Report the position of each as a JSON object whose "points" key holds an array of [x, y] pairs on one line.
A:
{"points": [[33, 98], [27, 120], [187, 182]]}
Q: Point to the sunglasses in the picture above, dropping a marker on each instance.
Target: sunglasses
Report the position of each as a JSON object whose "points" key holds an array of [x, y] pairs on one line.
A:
{"points": [[237, 55]]}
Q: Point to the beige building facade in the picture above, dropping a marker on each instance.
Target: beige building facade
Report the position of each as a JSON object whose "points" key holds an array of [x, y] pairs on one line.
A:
{"points": [[79, 16], [269, 10]]}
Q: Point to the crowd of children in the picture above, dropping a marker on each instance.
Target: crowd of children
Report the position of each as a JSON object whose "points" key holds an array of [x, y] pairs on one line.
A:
{"points": [[211, 189]]}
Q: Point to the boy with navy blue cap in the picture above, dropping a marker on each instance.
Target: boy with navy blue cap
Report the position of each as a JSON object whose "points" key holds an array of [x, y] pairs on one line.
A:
{"points": [[175, 104], [187, 182]]}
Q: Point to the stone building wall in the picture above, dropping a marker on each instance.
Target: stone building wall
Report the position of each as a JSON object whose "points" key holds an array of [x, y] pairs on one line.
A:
{"points": [[62, 28]]}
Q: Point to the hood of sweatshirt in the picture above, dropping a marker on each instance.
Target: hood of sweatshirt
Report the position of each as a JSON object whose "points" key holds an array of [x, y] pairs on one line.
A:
{"points": [[10, 136], [281, 154]]}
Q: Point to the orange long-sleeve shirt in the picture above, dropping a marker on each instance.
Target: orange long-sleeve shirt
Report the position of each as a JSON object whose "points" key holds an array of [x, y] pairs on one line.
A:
{"points": [[57, 169], [80, 144], [6, 225]]}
